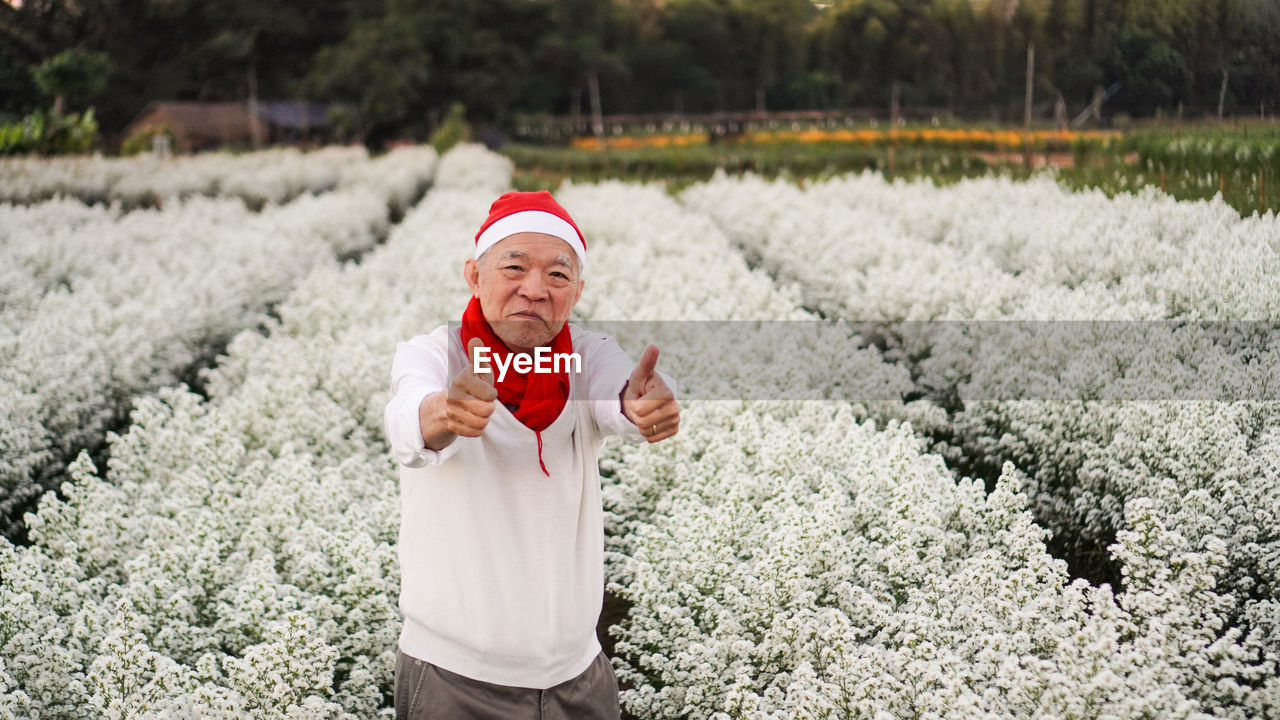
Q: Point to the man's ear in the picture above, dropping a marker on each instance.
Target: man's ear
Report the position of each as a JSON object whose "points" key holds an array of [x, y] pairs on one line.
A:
{"points": [[471, 273]]}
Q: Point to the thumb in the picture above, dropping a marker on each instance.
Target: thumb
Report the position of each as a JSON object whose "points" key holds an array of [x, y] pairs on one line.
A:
{"points": [[644, 369], [472, 361]]}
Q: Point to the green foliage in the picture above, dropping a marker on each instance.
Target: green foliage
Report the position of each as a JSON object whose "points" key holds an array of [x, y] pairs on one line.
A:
{"points": [[381, 67], [452, 131], [1237, 162], [1152, 72], [410, 61], [1246, 150], [399, 64], [74, 74], [49, 134], [344, 122]]}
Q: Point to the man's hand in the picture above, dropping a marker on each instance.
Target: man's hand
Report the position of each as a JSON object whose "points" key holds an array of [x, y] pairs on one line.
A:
{"points": [[648, 402], [463, 409]]}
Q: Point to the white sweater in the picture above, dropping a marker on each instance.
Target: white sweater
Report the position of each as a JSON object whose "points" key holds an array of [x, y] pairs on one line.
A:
{"points": [[502, 567]]}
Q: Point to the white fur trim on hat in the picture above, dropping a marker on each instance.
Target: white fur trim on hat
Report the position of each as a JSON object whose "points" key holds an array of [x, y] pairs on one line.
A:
{"points": [[537, 221]]}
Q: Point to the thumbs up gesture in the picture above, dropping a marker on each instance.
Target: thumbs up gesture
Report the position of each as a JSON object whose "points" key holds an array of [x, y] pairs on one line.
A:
{"points": [[648, 402], [462, 409], [471, 398]]}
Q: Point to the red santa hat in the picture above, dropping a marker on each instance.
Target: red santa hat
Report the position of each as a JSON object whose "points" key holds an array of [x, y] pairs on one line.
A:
{"points": [[518, 212]]}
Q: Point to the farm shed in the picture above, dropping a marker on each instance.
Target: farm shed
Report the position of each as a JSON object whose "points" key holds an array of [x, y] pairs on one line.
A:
{"points": [[207, 125]]}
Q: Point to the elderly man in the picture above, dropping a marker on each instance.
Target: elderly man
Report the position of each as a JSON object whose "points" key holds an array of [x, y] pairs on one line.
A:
{"points": [[497, 423]]}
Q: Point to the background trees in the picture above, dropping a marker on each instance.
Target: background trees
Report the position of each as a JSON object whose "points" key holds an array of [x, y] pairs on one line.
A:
{"points": [[401, 64]]}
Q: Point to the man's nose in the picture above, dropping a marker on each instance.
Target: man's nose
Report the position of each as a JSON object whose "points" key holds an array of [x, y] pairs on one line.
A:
{"points": [[534, 287]]}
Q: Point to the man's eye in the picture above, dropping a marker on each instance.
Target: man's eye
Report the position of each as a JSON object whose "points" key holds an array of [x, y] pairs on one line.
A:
{"points": [[514, 268]]}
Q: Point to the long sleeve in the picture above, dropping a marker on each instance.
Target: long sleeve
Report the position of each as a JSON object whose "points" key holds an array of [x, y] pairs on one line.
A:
{"points": [[608, 367], [420, 368]]}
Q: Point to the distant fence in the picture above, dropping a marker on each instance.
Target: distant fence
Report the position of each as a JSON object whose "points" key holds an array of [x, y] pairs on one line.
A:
{"points": [[546, 128]]}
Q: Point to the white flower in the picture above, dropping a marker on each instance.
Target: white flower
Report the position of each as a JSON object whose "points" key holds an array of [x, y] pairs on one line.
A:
{"points": [[783, 558]]}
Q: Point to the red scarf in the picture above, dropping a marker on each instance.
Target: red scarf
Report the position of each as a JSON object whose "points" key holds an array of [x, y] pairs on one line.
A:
{"points": [[537, 398]]}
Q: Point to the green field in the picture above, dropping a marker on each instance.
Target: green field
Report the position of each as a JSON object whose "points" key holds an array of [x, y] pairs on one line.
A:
{"points": [[1193, 163]]}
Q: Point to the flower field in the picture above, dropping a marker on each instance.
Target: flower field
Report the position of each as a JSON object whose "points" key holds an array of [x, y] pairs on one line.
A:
{"points": [[945, 138], [274, 175], [101, 304], [234, 556]]}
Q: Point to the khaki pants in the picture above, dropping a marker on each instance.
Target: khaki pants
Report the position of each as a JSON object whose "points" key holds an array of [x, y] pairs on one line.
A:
{"points": [[426, 692]]}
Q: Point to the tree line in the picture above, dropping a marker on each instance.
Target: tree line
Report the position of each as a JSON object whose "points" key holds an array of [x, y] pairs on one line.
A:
{"points": [[398, 65]]}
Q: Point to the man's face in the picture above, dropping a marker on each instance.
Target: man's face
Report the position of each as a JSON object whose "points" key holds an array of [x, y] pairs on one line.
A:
{"points": [[527, 284]]}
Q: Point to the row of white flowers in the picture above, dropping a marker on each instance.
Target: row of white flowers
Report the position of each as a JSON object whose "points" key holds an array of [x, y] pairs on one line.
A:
{"points": [[239, 561], [995, 249], [276, 175], [99, 305], [783, 559], [314, 384], [786, 561], [1098, 414]]}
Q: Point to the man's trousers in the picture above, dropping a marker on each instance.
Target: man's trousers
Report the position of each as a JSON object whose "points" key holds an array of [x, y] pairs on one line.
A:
{"points": [[426, 692]]}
